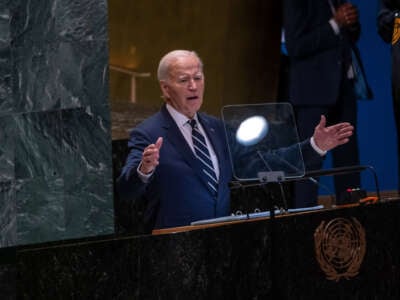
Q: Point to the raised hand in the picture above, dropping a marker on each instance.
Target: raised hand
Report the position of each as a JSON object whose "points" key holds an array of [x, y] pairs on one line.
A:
{"points": [[150, 157], [327, 138]]}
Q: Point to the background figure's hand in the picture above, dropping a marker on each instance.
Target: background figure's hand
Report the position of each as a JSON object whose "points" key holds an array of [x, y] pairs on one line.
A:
{"points": [[346, 15], [150, 157], [327, 138]]}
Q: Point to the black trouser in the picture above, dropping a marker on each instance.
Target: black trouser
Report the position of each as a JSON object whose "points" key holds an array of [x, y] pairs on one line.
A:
{"points": [[345, 110], [396, 110]]}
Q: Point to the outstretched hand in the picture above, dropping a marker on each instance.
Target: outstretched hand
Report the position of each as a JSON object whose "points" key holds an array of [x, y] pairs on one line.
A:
{"points": [[327, 138], [150, 157]]}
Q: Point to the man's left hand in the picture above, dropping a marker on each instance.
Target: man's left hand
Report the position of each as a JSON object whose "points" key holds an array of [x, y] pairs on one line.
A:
{"points": [[327, 138]]}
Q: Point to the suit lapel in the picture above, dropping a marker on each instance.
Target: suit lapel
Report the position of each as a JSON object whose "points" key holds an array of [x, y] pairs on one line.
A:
{"points": [[177, 140], [215, 139]]}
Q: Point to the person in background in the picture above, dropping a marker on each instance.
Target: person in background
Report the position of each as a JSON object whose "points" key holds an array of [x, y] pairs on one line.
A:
{"points": [[319, 37], [388, 23], [164, 167]]}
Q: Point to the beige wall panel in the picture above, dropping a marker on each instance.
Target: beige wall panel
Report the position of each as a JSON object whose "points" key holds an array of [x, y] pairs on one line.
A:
{"points": [[237, 40]]}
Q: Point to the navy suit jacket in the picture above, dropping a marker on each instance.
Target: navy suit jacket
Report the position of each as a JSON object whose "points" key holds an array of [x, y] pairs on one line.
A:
{"points": [[319, 58], [177, 193]]}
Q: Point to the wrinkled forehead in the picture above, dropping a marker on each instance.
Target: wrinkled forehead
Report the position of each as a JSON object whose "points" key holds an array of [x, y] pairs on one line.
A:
{"points": [[182, 65]]}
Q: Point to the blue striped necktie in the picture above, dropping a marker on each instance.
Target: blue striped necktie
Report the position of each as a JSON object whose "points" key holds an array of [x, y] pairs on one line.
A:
{"points": [[203, 155]]}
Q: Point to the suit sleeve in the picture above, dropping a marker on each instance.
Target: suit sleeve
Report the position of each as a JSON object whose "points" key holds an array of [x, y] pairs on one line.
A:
{"points": [[130, 187], [248, 161], [309, 155]]}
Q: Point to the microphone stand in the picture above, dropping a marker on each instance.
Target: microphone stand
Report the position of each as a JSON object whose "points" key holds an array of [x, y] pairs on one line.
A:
{"points": [[268, 177], [272, 177], [265, 178], [341, 171], [265, 181]]}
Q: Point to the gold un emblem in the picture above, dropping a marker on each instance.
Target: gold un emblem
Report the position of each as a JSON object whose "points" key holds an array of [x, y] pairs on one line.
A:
{"points": [[340, 247]]}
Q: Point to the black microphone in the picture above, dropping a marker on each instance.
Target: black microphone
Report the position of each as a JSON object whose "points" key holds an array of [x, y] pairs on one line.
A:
{"points": [[310, 178], [346, 170]]}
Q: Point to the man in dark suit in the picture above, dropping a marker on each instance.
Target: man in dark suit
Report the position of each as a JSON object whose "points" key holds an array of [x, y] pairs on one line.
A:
{"points": [[319, 35], [388, 22], [163, 166]]}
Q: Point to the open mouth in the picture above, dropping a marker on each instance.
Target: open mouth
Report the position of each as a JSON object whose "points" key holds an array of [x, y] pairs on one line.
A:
{"points": [[192, 98]]}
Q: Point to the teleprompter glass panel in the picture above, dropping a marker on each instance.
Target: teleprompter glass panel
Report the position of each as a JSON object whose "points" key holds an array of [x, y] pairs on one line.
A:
{"points": [[263, 141]]}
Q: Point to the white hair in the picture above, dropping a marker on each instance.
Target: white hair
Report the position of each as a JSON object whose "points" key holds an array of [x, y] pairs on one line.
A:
{"points": [[169, 58]]}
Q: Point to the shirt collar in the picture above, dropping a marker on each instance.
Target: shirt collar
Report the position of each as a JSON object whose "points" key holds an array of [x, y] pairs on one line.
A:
{"points": [[179, 118]]}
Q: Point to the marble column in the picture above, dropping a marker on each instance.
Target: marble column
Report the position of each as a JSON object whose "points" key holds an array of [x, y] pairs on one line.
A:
{"points": [[55, 139]]}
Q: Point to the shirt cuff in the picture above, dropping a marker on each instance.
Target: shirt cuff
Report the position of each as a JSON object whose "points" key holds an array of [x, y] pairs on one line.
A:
{"points": [[334, 26], [145, 178], [316, 148]]}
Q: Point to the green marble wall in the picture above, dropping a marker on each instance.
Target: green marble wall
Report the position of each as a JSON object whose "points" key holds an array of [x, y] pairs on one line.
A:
{"points": [[55, 140]]}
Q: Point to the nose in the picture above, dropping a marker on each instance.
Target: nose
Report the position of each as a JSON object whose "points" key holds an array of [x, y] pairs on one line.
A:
{"points": [[192, 84]]}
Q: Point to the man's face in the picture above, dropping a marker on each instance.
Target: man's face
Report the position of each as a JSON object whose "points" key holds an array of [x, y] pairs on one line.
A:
{"points": [[184, 87]]}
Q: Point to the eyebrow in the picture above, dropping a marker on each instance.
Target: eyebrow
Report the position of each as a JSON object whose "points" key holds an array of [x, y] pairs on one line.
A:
{"points": [[186, 74]]}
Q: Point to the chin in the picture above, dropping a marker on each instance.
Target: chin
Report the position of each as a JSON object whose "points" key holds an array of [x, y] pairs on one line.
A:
{"points": [[195, 106]]}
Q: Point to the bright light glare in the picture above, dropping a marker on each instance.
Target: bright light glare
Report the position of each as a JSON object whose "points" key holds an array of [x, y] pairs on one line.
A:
{"points": [[252, 130]]}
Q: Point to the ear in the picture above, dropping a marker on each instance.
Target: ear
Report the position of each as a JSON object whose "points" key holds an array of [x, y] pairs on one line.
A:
{"points": [[164, 89]]}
